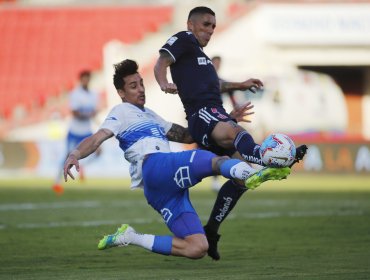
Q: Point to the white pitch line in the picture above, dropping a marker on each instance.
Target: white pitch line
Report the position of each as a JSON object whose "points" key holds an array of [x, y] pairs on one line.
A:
{"points": [[81, 223], [119, 203], [67, 204], [49, 205], [260, 215]]}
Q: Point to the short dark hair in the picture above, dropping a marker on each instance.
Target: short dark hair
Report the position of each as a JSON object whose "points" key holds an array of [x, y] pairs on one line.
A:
{"points": [[84, 73], [123, 69], [201, 10]]}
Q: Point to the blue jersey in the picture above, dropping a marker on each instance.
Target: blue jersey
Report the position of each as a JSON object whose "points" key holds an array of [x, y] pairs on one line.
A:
{"points": [[193, 73]]}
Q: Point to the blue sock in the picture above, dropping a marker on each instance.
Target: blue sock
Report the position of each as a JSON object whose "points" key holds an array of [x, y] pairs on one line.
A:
{"points": [[162, 245], [246, 146], [226, 166]]}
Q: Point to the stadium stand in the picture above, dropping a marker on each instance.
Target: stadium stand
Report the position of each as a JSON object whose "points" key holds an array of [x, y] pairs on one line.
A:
{"points": [[43, 49]]}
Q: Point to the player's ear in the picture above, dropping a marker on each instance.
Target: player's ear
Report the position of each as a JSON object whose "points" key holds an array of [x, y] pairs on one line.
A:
{"points": [[190, 25], [121, 93]]}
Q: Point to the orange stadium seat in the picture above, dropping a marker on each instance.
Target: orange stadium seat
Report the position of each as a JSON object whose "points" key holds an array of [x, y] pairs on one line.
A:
{"points": [[43, 49]]}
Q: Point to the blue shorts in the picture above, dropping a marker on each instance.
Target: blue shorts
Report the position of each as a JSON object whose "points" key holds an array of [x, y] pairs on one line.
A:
{"points": [[167, 178], [201, 125], [73, 140]]}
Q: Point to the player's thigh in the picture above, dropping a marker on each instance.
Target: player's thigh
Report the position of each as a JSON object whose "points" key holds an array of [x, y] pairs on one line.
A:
{"points": [[202, 123], [224, 133], [167, 177], [173, 172], [186, 224]]}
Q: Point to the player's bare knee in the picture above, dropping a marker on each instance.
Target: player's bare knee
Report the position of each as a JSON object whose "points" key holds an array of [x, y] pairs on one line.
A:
{"points": [[197, 250]]}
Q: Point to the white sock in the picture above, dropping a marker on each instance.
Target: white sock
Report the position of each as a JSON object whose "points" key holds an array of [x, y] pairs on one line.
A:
{"points": [[143, 240], [242, 171]]}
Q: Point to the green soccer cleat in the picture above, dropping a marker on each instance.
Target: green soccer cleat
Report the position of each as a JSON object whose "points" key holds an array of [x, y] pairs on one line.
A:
{"points": [[266, 174], [111, 240]]}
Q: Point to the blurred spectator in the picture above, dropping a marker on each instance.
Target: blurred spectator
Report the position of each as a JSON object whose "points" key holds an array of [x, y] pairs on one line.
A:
{"points": [[83, 104], [216, 61]]}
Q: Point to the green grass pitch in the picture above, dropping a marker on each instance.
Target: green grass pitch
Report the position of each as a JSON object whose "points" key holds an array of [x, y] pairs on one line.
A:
{"points": [[306, 227]]}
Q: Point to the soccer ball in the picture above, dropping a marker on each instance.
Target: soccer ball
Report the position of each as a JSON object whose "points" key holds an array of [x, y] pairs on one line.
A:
{"points": [[277, 150]]}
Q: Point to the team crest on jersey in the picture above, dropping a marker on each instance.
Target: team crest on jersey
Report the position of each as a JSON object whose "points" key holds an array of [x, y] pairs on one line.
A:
{"points": [[172, 40]]}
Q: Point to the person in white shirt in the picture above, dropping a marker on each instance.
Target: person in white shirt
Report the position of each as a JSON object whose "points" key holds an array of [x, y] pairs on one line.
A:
{"points": [[165, 176], [83, 103]]}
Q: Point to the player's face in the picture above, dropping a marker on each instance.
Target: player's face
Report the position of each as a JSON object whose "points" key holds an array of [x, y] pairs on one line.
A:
{"points": [[133, 91], [85, 80], [202, 26]]}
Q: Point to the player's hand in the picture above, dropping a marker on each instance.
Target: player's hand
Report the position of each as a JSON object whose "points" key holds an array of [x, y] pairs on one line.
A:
{"points": [[252, 84], [69, 163], [241, 112], [169, 88]]}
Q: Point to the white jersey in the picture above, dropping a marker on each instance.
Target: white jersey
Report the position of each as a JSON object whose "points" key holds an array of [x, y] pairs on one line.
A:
{"points": [[139, 132], [84, 102]]}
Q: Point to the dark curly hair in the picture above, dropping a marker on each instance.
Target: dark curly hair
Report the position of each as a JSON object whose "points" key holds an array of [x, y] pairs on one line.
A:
{"points": [[123, 69]]}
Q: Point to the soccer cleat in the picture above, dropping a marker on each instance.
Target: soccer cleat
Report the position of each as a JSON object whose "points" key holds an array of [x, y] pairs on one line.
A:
{"points": [[212, 238], [117, 239], [58, 189], [300, 153], [266, 174]]}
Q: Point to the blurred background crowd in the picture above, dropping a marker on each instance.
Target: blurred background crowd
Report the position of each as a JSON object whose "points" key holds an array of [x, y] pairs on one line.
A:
{"points": [[313, 57]]}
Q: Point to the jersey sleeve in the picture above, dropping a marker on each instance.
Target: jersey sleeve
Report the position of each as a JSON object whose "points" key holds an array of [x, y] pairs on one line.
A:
{"points": [[178, 44], [114, 121]]}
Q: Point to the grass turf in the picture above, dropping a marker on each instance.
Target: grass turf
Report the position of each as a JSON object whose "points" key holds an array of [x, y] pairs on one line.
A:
{"points": [[307, 227]]}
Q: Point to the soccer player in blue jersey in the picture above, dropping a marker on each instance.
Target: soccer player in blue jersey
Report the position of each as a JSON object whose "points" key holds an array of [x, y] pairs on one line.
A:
{"points": [[196, 82], [165, 176]]}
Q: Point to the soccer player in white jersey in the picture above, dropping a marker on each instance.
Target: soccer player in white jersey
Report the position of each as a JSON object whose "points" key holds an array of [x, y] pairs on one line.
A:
{"points": [[165, 176], [83, 103]]}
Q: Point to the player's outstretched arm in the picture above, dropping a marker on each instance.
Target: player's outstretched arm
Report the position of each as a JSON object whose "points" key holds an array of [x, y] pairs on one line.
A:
{"points": [[250, 84], [180, 134], [84, 149], [160, 73]]}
